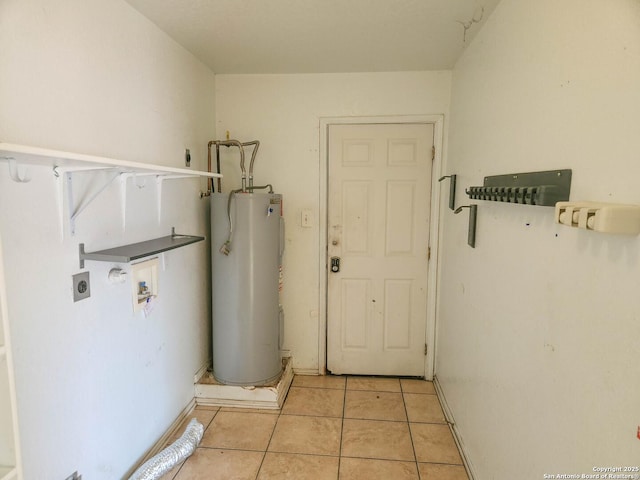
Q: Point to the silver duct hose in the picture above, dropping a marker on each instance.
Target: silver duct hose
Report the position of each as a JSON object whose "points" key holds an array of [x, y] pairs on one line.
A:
{"points": [[180, 450]]}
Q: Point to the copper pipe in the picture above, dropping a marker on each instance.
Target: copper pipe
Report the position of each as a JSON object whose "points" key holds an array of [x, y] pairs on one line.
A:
{"points": [[210, 180], [218, 167]]}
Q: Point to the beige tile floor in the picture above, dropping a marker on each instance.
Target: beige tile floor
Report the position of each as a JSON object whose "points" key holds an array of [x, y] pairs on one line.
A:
{"points": [[333, 428]]}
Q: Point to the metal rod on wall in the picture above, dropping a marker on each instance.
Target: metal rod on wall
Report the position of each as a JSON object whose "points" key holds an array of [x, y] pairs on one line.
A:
{"points": [[452, 190], [473, 213]]}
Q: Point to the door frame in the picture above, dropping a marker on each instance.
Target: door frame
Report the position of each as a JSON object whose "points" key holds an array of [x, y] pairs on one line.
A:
{"points": [[434, 232]]}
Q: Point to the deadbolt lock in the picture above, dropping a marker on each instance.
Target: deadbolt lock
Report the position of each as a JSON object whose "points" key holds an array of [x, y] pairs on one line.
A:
{"points": [[335, 264]]}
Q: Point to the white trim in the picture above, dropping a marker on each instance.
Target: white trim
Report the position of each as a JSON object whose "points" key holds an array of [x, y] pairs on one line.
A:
{"points": [[164, 439], [307, 371], [201, 371], [448, 415], [434, 227]]}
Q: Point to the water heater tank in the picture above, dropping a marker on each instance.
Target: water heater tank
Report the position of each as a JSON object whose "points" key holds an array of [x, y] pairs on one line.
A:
{"points": [[245, 307]]}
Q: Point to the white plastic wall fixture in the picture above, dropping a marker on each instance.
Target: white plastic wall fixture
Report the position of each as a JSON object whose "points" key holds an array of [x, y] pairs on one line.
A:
{"points": [[147, 272], [600, 217]]}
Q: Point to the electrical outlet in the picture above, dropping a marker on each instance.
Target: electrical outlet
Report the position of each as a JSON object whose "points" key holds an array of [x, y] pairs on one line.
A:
{"points": [[81, 286]]}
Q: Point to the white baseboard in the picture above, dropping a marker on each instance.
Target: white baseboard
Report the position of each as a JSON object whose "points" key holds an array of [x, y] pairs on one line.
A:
{"points": [[201, 371], [162, 441], [448, 415], [306, 371]]}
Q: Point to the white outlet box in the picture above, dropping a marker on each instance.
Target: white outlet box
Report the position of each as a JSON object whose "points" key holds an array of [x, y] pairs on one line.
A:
{"points": [[144, 273]]}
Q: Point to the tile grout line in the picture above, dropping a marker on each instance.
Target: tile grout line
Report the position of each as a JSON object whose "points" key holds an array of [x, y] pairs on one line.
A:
{"points": [[266, 449], [404, 390], [413, 446], [197, 446], [344, 408]]}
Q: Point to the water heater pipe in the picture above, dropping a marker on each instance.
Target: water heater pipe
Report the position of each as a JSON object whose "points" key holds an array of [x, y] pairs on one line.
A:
{"points": [[256, 145], [232, 143], [218, 167], [181, 449]]}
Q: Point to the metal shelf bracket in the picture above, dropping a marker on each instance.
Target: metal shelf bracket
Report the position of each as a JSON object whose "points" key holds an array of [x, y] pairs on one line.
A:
{"points": [[473, 213], [452, 190]]}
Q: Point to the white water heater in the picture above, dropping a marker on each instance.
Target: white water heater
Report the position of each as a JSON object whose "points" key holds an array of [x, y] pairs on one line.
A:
{"points": [[245, 282]]}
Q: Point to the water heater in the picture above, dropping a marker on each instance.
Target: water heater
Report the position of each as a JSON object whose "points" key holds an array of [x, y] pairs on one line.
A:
{"points": [[245, 282]]}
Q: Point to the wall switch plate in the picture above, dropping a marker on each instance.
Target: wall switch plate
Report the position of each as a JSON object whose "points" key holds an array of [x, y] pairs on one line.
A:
{"points": [[81, 286], [306, 218]]}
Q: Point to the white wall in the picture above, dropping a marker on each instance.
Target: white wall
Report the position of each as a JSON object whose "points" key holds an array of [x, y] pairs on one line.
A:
{"points": [[97, 385], [539, 324], [283, 112]]}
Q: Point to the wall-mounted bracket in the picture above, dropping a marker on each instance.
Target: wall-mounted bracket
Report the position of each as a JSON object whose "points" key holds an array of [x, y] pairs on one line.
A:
{"points": [[473, 213], [600, 217], [18, 172], [531, 188], [452, 190], [74, 211], [159, 181], [66, 164]]}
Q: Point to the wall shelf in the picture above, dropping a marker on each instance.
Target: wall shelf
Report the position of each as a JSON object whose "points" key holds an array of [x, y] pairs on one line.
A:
{"points": [[22, 155], [65, 165], [136, 251]]}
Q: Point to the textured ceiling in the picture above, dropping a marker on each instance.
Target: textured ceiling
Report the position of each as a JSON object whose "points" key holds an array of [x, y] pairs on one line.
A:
{"points": [[320, 36]]}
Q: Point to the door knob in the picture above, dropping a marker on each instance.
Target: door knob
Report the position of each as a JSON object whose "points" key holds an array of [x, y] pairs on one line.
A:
{"points": [[335, 264]]}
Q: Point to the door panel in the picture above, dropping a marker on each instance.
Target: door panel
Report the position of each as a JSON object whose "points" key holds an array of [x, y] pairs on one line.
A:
{"points": [[378, 224], [355, 211], [397, 304], [356, 296], [400, 222]]}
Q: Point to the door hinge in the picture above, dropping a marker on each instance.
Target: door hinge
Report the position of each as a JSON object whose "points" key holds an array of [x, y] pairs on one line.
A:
{"points": [[433, 153], [428, 253], [425, 348]]}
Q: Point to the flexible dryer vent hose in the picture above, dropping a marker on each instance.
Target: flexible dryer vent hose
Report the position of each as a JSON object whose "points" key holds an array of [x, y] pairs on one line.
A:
{"points": [[181, 449]]}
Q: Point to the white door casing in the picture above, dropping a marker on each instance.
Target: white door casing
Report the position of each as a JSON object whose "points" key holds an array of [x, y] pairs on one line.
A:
{"points": [[379, 191]]}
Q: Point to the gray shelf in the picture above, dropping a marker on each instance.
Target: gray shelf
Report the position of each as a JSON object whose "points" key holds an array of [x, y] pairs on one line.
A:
{"points": [[135, 251]]}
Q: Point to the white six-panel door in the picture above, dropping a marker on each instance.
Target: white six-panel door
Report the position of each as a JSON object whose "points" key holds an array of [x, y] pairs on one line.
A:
{"points": [[378, 226]]}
